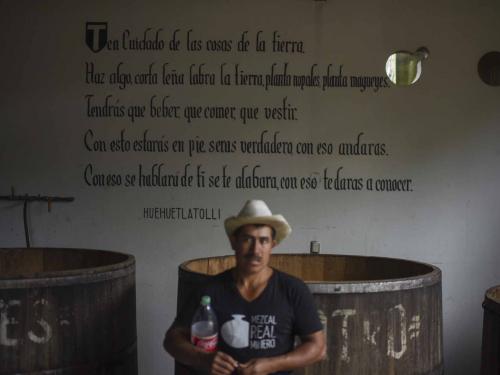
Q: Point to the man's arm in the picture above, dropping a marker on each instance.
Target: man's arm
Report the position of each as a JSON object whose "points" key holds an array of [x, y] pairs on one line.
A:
{"points": [[311, 350], [178, 345]]}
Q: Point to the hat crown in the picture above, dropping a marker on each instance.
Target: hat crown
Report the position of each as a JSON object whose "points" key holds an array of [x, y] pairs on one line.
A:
{"points": [[254, 212], [255, 208]]}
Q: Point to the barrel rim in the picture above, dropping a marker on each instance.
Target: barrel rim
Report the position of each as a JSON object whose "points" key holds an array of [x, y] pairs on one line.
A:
{"points": [[494, 290], [73, 276], [492, 300], [354, 286]]}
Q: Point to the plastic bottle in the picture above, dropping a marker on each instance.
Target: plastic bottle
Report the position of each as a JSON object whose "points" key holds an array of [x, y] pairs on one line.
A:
{"points": [[204, 327]]}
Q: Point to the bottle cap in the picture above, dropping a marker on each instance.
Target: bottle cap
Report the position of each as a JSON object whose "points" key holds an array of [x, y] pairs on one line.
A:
{"points": [[205, 300]]}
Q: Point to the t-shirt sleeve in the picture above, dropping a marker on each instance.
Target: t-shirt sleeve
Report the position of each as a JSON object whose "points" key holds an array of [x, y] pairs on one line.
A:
{"points": [[306, 314]]}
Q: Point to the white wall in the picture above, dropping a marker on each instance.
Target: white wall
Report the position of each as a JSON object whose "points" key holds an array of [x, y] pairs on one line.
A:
{"points": [[442, 133]]}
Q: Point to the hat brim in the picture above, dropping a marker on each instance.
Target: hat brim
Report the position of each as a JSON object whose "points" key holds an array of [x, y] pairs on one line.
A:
{"points": [[277, 222]]}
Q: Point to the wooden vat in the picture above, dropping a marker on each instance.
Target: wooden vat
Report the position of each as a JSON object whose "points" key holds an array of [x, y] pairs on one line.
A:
{"points": [[67, 311]]}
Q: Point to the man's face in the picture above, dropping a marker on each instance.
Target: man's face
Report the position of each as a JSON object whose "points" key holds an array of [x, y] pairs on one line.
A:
{"points": [[252, 246]]}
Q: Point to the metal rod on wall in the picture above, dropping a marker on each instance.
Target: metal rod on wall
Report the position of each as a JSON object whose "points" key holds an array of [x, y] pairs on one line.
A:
{"points": [[25, 220], [26, 199]]}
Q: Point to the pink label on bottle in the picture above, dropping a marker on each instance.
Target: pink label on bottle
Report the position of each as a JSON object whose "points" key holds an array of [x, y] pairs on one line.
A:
{"points": [[208, 344]]}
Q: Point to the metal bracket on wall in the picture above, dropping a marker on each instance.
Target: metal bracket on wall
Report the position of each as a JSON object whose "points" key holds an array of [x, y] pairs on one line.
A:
{"points": [[32, 198]]}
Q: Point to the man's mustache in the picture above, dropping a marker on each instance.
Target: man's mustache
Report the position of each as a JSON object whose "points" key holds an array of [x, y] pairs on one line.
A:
{"points": [[252, 257]]}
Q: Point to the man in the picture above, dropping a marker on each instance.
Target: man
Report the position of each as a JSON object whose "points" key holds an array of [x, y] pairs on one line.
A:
{"points": [[259, 309]]}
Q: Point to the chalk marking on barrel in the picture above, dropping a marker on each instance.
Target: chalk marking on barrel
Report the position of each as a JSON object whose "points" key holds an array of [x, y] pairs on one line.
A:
{"points": [[414, 327], [45, 326], [370, 336], [391, 351], [5, 322], [345, 313], [41, 339]]}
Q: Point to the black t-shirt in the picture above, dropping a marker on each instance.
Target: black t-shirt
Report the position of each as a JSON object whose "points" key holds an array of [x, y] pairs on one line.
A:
{"points": [[264, 327]]}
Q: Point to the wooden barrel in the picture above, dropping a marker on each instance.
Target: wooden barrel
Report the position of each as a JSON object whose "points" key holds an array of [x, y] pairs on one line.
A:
{"points": [[382, 316], [67, 311], [490, 360]]}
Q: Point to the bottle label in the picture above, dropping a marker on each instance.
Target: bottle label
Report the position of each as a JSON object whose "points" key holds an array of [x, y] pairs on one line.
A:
{"points": [[208, 344]]}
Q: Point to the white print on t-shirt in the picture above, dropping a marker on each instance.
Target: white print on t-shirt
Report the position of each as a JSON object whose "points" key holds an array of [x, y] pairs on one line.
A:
{"points": [[262, 332], [259, 333], [235, 332]]}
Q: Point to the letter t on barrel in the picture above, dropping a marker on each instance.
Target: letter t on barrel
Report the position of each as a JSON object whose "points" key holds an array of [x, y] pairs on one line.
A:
{"points": [[345, 313]]}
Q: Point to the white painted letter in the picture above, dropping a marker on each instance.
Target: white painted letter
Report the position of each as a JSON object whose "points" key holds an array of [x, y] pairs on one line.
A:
{"points": [[414, 327], [5, 322], [345, 313], [400, 310], [41, 339], [45, 326], [368, 336]]}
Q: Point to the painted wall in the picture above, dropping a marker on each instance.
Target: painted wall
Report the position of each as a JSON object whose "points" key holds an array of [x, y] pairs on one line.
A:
{"points": [[438, 139]]}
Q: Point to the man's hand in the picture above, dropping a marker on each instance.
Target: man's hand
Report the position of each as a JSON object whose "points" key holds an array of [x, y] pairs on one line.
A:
{"points": [[253, 367], [311, 349], [222, 364]]}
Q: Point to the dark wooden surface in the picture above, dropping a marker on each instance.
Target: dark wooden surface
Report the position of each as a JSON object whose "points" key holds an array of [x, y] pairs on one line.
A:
{"points": [[382, 316], [67, 311]]}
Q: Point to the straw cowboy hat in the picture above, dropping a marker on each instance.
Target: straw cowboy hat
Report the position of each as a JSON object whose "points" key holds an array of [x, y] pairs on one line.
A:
{"points": [[256, 212]]}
